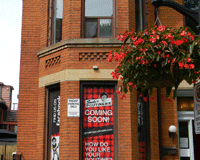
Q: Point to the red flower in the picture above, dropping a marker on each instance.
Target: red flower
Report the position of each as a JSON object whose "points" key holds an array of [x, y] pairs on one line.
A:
{"points": [[186, 66], [189, 60], [115, 75], [191, 66], [134, 86], [145, 99], [134, 38], [155, 65], [169, 36], [194, 82], [116, 56], [173, 60], [164, 42], [169, 100], [161, 28], [183, 33], [123, 96], [118, 92], [130, 83], [153, 40], [139, 41], [180, 65], [140, 95], [178, 42], [109, 58], [152, 99], [158, 52]]}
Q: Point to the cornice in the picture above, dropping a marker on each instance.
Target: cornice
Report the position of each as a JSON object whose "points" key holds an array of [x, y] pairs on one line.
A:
{"points": [[79, 43]]}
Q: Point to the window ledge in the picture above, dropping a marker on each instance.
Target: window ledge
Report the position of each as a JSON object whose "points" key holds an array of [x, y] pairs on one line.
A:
{"points": [[78, 43]]}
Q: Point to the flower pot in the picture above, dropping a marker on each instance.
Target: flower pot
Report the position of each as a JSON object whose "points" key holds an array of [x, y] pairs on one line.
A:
{"points": [[160, 81]]}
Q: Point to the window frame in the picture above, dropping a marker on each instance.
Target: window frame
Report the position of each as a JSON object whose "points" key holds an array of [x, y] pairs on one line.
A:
{"points": [[83, 20], [52, 24]]}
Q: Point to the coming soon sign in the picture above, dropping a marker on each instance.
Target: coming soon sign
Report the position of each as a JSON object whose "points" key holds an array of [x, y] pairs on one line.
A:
{"points": [[98, 136]]}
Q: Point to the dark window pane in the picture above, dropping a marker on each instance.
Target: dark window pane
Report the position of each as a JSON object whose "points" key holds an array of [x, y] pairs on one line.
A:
{"points": [[91, 28], [193, 5], [58, 30], [183, 129], [105, 27], [3, 126], [98, 8]]}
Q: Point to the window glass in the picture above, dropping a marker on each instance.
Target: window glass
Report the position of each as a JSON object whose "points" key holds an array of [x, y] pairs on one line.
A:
{"points": [[193, 5], [185, 104], [97, 8], [105, 27], [58, 16], [13, 128], [91, 28]]}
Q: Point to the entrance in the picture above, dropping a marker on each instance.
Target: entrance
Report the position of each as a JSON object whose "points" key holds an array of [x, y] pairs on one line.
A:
{"points": [[189, 148]]}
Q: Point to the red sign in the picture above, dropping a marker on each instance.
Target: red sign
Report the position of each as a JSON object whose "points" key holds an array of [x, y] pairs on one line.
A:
{"points": [[98, 124]]}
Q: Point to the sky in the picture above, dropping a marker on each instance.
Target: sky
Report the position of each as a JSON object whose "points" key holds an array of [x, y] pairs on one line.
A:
{"points": [[10, 43]]}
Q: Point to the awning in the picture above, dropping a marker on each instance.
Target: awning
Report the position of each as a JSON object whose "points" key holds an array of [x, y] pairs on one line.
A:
{"points": [[7, 134]]}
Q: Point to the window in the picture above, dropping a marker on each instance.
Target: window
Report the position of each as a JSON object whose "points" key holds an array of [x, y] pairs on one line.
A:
{"points": [[13, 128], [98, 18], [55, 21], [53, 123], [193, 5]]}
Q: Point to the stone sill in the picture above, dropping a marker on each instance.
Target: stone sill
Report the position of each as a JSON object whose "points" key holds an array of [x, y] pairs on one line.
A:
{"points": [[78, 43]]}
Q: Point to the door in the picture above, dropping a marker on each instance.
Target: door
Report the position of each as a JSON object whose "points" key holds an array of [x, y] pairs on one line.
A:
{"points": [[98, 119], [196, 141], [185, 140]]}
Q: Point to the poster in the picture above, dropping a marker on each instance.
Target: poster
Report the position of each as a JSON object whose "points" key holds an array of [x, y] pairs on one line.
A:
{"points": [[98, 116], [73, 108], [55, 124]]}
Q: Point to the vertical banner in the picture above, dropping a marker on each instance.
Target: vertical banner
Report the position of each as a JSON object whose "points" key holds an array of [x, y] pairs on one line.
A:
{"points": [[197, 108], [143, 128], [55, 124], [98, 131]]}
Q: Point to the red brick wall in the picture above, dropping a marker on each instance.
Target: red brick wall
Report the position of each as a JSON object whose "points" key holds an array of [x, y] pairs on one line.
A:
{"points": [[28, 92]]}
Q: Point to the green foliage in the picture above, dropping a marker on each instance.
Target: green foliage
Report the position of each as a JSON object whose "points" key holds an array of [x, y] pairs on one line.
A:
{"points": [[160, 57]]}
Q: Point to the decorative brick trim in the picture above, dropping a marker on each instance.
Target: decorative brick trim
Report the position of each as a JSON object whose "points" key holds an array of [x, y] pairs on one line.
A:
{"points": [[52, 62], [95, 56]]}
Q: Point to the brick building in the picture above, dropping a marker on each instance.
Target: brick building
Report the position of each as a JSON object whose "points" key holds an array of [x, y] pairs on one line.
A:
{"points": [[64, 48], [8, 116]]}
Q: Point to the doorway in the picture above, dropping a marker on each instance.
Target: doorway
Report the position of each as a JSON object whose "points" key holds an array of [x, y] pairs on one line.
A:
{"points": [[189, 148]]}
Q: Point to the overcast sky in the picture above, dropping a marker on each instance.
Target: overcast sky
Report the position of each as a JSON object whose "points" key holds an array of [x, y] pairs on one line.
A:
{"points": [[10, 43]]}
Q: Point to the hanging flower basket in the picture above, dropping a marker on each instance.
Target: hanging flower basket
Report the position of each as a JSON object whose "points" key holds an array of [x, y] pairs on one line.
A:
{"points": [[161, 57]]}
